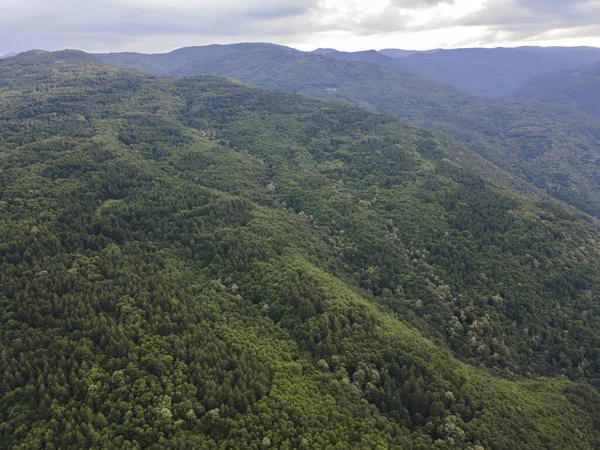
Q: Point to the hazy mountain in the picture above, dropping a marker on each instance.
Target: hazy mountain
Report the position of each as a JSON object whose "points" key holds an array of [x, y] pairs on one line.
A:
{"points": [[364, 56], [486, 72], [192, 263], [323, 51], [579, 88], [588, 54], [396, 53], [554, 147], [8, 55]]}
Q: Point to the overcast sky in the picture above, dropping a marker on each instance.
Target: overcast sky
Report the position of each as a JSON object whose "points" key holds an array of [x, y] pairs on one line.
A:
{"points": [[163, 25]]}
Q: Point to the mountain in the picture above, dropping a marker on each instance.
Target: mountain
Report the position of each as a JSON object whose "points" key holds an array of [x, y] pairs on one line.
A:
{"points": [[192, 263], [8, 55], [486, 72], [555, 148], [323, 51], [217, 59], [396, 53], [588, 54], [579, 88], [371, 56]]}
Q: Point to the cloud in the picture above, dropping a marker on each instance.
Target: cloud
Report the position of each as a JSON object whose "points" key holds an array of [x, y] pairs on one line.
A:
{"points": [[160, 25], [418, 4], [52, 24], [532, 17]]}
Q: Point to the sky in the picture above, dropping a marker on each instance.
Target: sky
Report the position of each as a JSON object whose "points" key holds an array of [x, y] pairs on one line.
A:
{"points": [[154, 26]]}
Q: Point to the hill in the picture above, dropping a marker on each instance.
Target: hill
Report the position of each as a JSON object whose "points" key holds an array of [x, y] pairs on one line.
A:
{"points": [[192, 263], [579, 88], [555, 148]]}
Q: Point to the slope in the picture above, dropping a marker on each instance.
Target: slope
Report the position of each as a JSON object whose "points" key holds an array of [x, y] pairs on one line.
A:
{"points": [[578, 88], [552, 147], [195, 264]]}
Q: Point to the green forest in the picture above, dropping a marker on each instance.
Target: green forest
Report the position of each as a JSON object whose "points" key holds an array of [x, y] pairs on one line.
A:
{"points": [[192, 263], [552, 147]]}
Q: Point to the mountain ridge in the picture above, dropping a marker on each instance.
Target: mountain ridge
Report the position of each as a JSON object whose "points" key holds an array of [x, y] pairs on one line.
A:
{"points": [[488, 72], [506, 132]]}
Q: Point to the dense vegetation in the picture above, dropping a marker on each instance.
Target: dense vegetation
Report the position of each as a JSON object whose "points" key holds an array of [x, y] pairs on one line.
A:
{"points": [[190, 263], [579, 88], [553, 147]]}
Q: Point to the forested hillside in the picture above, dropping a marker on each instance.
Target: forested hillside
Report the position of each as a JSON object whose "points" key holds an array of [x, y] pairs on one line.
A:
{"points": [[579, 88], [555, 148], [191, 263]]}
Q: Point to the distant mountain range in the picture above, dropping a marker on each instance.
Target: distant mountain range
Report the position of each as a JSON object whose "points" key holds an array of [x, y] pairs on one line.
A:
{"points": [[396, 53], [487, 72], [561, 75], [556, 148], [389, 52]]}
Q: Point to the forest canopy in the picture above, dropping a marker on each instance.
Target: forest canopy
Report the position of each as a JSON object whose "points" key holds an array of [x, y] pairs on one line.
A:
{"points": [[192, 263]]}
